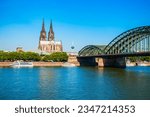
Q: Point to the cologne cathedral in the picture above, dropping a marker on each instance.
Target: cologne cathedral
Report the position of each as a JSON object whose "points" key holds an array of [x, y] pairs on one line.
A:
{"points": [[49, 45]]}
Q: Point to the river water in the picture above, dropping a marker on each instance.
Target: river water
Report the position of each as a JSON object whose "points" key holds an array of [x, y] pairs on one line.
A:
{"points": [[76, 83]]}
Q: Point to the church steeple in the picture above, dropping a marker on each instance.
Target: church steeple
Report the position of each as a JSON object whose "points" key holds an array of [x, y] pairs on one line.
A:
{"points": [[43, 32], [51, 27], [43, 26], [51, 33]]}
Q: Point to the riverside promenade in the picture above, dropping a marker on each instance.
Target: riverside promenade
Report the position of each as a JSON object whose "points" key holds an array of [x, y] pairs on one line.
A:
{"points": [[38, 64], [58, 64]]}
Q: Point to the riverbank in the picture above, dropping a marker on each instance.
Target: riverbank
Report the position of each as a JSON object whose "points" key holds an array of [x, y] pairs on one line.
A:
{"points": [[138, 64], [58, 64], [38, 64], [47, 64], [5, 64]]}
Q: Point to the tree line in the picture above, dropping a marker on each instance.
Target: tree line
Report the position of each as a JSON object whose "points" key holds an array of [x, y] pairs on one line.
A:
{"points": [[32, 56]]}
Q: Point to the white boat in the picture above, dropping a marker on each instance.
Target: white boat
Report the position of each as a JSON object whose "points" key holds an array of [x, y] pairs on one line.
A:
{"points": [[142, 64], [130, 64], [21, 64], [66, 64]]}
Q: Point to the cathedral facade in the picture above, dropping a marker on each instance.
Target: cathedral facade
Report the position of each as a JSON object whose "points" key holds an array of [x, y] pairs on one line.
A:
{"points": [[49, 45]]}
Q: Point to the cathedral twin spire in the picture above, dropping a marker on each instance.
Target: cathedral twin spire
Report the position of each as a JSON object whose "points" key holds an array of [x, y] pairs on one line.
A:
{"points": [[50, 33], [49, 45]]}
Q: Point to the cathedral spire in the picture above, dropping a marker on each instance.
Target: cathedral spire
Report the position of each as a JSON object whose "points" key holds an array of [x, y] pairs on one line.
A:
{"points": [[43, 32], [43, 26], [51, 26], [51, 32]]}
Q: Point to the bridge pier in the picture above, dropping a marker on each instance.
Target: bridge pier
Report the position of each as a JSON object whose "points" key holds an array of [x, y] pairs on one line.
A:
{"points": [[118, 62], [87, 61]]}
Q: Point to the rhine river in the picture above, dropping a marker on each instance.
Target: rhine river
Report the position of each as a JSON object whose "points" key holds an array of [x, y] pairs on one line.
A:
{"points": [[76, 83]]}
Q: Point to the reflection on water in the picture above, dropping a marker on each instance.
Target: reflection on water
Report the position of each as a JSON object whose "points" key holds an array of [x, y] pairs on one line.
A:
{"points": [[75, 83]]}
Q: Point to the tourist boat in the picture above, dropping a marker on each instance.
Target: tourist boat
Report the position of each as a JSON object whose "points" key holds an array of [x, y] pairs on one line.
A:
{"points": [[130, 64], [142, 64], [21, 64], [66, 64]]}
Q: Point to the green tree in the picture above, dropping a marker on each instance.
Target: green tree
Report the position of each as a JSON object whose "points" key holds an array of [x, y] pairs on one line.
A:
{"points": [[56, 57], [13, 56], [59, 56], [31, 56]]}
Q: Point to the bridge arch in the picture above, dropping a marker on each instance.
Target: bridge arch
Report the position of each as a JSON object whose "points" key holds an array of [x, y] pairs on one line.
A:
{"points": [[134, 40], [91, 50]]}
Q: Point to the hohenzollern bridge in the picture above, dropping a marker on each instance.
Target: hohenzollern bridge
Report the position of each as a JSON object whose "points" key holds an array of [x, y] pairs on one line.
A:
{"points": [[134, 42]]}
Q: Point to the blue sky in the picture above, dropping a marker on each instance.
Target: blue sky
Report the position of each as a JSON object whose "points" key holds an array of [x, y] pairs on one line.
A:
{"points": [[77, 22]]}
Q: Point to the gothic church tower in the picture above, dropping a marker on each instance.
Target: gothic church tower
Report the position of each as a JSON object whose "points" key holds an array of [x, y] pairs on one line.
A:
{"points": [[49, 45]]}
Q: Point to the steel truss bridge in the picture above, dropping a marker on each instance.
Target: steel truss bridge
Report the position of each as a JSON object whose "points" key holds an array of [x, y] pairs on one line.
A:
{"points": [[135, 42]]}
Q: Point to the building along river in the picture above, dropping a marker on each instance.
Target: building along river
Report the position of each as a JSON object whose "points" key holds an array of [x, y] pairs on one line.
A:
{"points": [[76, 83]]}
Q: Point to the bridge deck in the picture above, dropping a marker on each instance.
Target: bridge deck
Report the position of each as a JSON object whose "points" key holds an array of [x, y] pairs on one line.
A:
{"points": [[119, 55]]}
